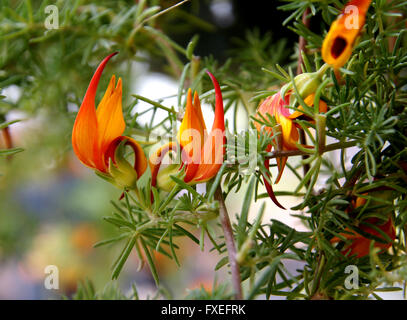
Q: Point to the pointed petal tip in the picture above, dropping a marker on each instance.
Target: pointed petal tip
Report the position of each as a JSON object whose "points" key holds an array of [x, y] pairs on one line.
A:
{"points": [[106, 59], [91, 91], [215, 82], [196, 97], [219, 121], [119, 84], [112, 54], [271, 194], [189, 96], [270, 190]]}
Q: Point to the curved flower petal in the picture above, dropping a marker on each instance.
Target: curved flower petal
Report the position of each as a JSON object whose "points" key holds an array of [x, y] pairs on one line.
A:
{"points": [[110, 115], [290, 133], [214, 148], [191, 135], [85, 140], [192, 124], [276, 106], [140, 159], [266, 107], [268, 186], [156, 159], [309, 101]]}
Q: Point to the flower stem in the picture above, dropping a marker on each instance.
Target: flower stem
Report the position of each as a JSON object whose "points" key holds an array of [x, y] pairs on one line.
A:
{"points": [[329, 147], [301, 47], [323, 70], [154, 103], [301, 41], [230, 244], [8, 141]]}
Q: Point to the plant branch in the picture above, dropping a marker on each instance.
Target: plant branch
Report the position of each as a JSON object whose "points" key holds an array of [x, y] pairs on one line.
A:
{"points": [[163, 11], [329, 147], [8, 141], [154, 103], [230, 244], [301, 48], [301, 41]]}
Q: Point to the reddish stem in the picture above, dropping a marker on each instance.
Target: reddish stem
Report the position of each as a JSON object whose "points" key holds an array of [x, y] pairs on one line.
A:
{"points": [[301, 47], [301, 41], [8, 141], [7, 138], [230, 244]]}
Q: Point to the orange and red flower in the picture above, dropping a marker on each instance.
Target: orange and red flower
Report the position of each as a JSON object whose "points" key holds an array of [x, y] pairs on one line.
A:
{"points": [[341, 38], [359, 243], [277, 106], [202, 153], [97, 134]]}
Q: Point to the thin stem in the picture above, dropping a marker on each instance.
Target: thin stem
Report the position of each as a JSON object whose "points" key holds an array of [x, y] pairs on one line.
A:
{"points": [[330, 147], [230, 244], [154, 103], [8, 141], [301, 41], [163, 11], [317, 277], [7, 138], [301, 47]]}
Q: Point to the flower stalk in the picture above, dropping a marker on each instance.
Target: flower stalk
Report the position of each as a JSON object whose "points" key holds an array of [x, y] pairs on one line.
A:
{"points": [[230, 244]]}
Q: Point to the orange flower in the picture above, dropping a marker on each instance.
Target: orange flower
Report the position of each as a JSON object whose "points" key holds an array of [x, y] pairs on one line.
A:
{"points": [[360, 245], [202, 153], [276, 106], [340, 40], [97, 134]]}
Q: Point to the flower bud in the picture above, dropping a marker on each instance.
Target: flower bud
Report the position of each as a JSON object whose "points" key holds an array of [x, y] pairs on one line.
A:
{"points": [[306, 83], [164, 180]]}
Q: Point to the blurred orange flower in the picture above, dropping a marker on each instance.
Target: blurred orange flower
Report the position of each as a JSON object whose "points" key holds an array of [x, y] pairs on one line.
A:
{"points": [[340, 40], [359, 245]]}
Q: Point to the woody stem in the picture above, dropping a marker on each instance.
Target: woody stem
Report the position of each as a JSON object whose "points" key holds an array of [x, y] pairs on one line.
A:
{"points": [[329, 147], [7, 139], [301, 47], [301, 41], [230, 244]]}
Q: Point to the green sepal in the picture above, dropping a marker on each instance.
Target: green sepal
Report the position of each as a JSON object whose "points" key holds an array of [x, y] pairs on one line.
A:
{"points": [[122, 172]]}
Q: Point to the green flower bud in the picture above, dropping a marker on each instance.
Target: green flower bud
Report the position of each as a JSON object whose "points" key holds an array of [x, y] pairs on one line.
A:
{"points": [[122, 173], [306, 83], [164, 180]]}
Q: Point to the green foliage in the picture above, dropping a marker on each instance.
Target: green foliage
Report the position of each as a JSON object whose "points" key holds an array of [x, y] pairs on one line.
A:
{"points": [[219, 292], [86, 291]]}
